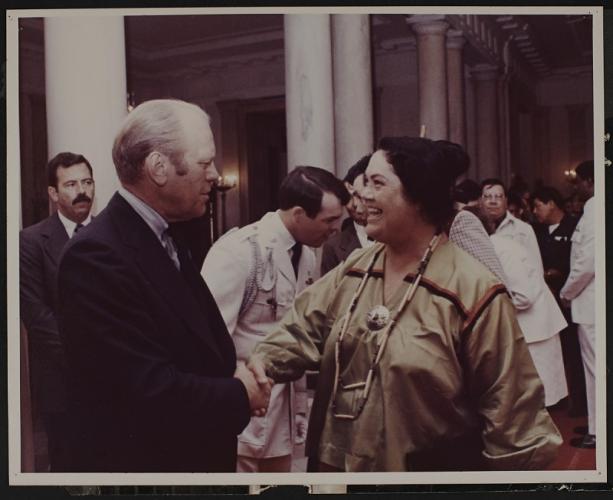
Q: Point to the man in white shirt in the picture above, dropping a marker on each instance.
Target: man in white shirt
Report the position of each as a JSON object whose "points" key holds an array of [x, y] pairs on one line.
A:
{"points": [[353, 233], [71, 188], [255, 273], [494, 205], [579, 291]]}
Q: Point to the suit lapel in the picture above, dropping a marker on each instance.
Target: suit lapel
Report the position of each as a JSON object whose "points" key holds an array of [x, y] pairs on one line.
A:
{"points": [[349, 241], [55, 238], [151, 258]]}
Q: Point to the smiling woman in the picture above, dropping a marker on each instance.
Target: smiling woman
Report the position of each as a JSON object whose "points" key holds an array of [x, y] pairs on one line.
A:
{"points": [[422, 363]]}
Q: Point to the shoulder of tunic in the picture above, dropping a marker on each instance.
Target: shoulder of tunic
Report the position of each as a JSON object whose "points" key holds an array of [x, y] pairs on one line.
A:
{"points": [[455, 275]]}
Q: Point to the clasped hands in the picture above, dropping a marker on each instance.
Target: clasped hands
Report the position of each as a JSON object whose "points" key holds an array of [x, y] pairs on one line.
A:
{"points": [[258, 385]]}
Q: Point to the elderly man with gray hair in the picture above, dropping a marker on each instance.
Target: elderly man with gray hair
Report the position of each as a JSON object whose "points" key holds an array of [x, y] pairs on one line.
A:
{"points": [[153, 380]]}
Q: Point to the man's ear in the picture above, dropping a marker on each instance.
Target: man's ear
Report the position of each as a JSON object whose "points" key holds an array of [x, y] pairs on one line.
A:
{"points": [[156, 168], [52, 192], [298, 213]]}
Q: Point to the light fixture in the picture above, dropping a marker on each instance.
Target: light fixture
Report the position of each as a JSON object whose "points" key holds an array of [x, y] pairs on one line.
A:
{"points": [[223, 185]]}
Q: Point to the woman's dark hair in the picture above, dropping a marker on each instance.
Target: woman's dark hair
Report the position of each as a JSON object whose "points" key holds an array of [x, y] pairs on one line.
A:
{"points": [[428, 170], [305, 186]]}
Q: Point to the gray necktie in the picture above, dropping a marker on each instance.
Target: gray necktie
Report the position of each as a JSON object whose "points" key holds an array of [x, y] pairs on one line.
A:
{"points": [[171, 248]]}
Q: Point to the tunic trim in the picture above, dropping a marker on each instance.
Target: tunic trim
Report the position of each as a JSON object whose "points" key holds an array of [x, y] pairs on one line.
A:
{"points": [[429, 285], [480, 306]]}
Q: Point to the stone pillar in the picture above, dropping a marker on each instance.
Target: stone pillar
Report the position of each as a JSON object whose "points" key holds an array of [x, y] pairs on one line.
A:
{"points": [[455, 87], [85, 79], [485, 77], [430, 31], [353, 106], [308, 91]]}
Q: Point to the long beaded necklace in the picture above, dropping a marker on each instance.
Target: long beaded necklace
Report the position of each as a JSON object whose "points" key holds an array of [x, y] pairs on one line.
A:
{"points": [[406, 299]]}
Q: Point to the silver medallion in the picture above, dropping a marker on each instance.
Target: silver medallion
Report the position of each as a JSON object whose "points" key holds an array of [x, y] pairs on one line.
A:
{"points": [[377, 317]]}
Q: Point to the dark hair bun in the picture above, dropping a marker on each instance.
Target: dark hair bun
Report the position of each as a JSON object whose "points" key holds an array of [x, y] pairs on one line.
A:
{"points": [[455, 160], [428, 170]]}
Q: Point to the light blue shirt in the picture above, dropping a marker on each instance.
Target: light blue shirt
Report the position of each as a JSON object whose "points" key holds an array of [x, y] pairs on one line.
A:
{"points": [[153, 219]]}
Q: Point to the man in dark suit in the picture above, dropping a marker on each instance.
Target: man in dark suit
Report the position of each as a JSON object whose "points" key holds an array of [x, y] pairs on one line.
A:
{"points": [[153, 380], [71, 188], [352, 234]]}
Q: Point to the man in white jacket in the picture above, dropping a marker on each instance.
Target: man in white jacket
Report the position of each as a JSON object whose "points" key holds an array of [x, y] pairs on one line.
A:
{"points": [[579, 291], [255, 273], [494, 205]]}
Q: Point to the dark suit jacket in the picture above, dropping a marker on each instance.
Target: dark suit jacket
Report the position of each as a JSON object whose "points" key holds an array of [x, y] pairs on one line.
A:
{"points": [[555, 249], [150, 362], [40, 247], [338, 248]]}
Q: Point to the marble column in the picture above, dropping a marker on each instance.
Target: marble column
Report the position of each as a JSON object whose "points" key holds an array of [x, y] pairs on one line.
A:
{"points": [[430, 31], [85, 79], [485, 77], [353, 103], [308, 91], [455, 87]]}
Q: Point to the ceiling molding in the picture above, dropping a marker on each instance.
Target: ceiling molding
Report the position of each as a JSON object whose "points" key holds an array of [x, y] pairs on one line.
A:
{"points": [[208, 45]]}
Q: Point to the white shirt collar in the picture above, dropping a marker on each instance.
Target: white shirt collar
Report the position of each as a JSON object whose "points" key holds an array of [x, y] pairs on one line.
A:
{"points": [[70, 225], [283, 235], [153, 219]]}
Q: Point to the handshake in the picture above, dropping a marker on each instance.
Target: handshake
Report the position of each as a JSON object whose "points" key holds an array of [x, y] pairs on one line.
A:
{"points": [[258, 385]]}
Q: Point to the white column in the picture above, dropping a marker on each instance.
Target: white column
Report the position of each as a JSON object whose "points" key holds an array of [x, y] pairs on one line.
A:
{"points": [[485, 78], [308, 91], [353, 107], [455, 87], [430, 31], [85, 73]]}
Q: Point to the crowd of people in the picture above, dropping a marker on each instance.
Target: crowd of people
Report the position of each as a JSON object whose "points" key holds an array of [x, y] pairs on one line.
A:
{"points": [[442, 318]]}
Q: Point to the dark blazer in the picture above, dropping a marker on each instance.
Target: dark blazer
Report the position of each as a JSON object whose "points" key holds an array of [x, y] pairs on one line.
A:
{"points": [[338, 248], [555, 250], [40, 247], [150, 362]]}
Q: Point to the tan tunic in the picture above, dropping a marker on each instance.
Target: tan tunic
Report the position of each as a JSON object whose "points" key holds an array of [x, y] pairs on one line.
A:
{"points": [[456, 365]]}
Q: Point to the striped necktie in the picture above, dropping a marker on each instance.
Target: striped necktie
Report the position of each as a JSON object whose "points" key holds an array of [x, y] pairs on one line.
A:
{"points": [[171, 248]]}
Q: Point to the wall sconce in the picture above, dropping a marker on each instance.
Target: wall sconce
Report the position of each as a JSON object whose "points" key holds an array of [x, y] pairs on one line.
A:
{"points": [[224, 184], [130, 102], [570, 175]]}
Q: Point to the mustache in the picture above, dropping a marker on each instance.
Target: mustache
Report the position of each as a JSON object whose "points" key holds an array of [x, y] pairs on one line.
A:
{"points": [[80, 198]]}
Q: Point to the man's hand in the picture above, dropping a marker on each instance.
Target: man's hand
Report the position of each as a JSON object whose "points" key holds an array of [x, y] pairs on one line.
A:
{"points": [[259, 394], [301, 428], [256, 366]]}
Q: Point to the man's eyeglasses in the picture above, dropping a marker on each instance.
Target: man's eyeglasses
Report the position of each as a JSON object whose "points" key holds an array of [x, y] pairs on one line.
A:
{"points": [[493, 197]]}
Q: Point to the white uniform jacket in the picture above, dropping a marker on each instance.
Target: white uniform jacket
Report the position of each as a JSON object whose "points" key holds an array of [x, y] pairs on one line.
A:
{"points": [[538, 314], [250, 274], [580, 287], [522, 232]]}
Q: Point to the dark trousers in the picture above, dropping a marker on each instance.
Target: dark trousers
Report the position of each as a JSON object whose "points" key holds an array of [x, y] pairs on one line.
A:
{"points": [[58, 434], [573, 365]]}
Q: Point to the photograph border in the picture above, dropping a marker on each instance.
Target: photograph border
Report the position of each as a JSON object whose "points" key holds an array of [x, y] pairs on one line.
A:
{"points": [[16, 477]]}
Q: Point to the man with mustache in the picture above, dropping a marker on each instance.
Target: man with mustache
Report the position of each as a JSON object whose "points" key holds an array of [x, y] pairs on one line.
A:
{"points": [[154, 384], [71, 188]]}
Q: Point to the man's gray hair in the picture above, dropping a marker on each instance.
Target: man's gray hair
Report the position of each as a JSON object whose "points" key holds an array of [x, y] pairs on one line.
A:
{"points": [[152, 126]]}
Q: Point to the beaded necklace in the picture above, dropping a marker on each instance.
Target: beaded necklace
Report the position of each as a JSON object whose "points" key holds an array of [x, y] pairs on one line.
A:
{"points": [[406, 299]]}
